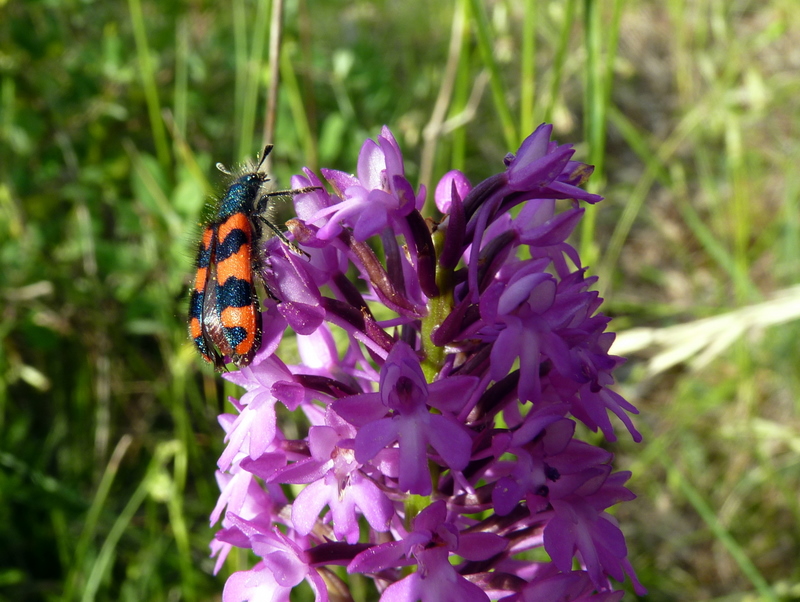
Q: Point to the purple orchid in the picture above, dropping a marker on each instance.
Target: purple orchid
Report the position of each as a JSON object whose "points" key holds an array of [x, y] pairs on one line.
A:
{"points": [[334, 479], [406, 395], [430, 543], [444, 365], [284, 564]]}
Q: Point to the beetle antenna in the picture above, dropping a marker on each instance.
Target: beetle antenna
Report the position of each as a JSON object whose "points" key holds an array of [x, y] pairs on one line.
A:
{"points": [[267, 151]]}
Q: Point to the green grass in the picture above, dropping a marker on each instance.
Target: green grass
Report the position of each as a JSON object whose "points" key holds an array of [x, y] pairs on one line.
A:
{"points": [[113, 114]]}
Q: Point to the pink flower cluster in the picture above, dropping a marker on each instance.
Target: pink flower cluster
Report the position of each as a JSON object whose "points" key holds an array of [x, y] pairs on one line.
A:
{"points": [[444, 365]]}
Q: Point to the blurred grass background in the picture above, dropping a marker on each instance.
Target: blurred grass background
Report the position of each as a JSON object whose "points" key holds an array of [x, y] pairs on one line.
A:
{"points": [[113, 114]]}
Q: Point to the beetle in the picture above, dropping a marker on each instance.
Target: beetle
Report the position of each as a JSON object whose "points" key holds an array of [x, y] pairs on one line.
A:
{"points": [[224, 316]]}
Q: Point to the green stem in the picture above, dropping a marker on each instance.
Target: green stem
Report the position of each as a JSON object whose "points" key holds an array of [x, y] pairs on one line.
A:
{"points": [[496, 84], [438, 310], [149, 83]]}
